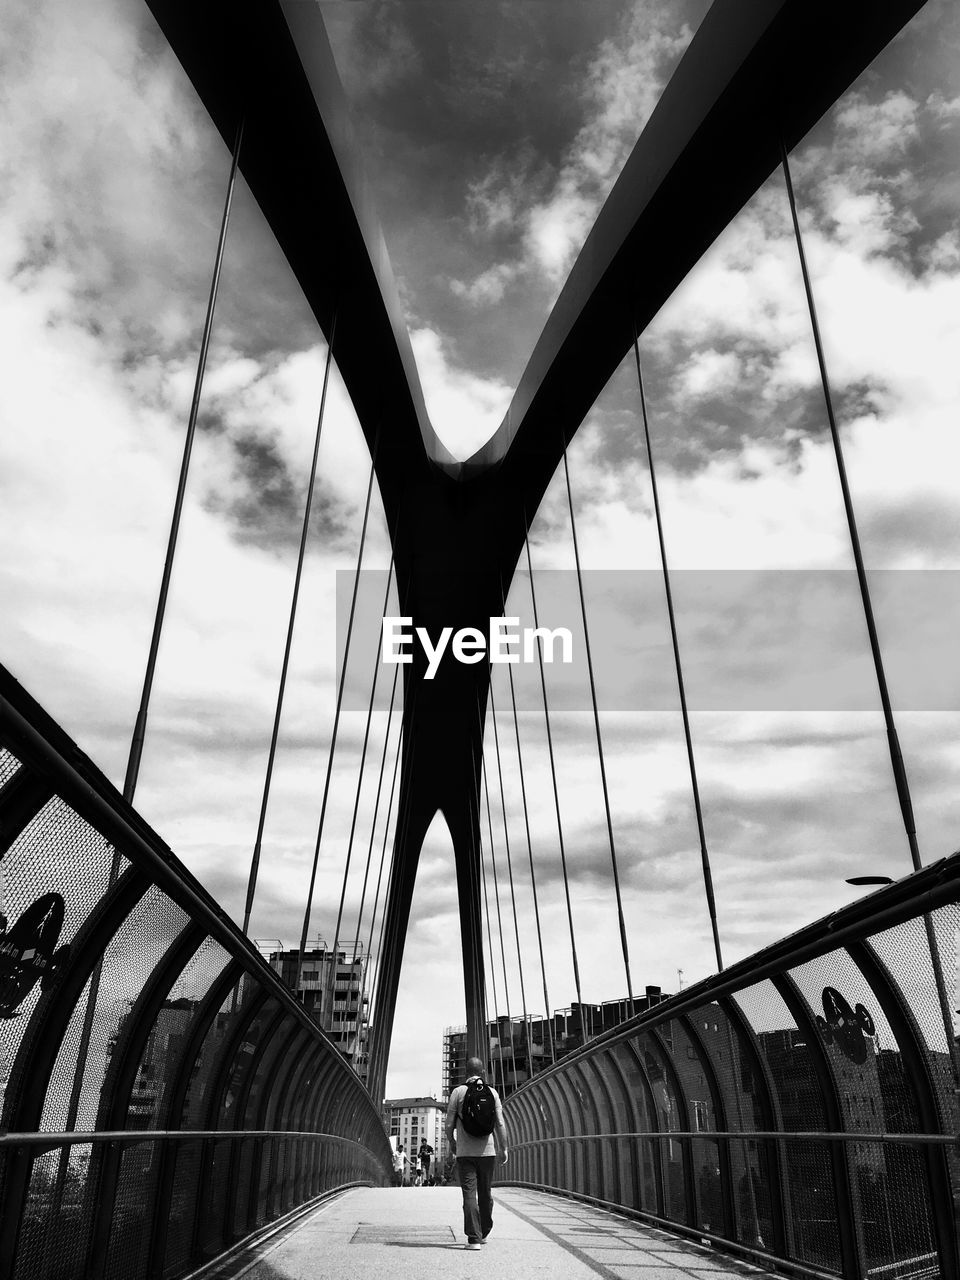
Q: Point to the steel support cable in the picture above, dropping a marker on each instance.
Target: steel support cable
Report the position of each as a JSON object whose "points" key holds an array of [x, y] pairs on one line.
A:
{"points": [[493, 870], [704, 853], [383, 857], [304, 531], [496, 898], [406, 719], [400, 836], [478, 963], [896, 758], [480, 887], [336, 719], [493, 967], [140, 728], [893, 741], [356, 801], [376, 812], [401, 828], [596, 720], [513, 896], [530, 853], [533, 874], [140, 725], [482, 973], [553, 776]]}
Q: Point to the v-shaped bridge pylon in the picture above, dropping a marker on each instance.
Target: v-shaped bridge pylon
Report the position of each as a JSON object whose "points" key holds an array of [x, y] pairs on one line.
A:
{"points": [[758, 74]]}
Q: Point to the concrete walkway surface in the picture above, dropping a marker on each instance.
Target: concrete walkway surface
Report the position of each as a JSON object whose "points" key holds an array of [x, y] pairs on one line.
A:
{"points": [[410, 1233]]}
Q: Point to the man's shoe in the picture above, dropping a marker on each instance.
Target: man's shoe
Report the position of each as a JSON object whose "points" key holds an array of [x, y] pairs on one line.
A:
{"points": [[472, 1244]]}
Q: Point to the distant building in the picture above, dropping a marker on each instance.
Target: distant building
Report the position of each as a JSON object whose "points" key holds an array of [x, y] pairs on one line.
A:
{"points": [[454, 1058], [517, 1050], [332, 991], [410, 1120]]}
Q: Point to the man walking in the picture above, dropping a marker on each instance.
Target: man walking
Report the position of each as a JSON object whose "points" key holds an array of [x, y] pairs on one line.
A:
{"points": [[476, 1133], [399, 1160], [425, 1155]]}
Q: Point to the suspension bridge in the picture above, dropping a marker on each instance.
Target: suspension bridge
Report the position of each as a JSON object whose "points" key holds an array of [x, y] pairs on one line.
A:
{"points": [[797, 1112]]}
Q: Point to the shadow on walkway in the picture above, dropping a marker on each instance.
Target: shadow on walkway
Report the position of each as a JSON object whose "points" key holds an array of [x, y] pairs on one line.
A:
{"points": [[371, 1233]]}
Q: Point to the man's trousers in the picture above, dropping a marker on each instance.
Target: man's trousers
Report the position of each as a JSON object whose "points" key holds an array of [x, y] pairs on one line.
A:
{"points": [[476, 1181]]}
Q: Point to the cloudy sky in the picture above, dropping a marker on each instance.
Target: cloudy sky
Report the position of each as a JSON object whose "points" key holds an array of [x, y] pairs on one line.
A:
{"points": [[492, 133]]}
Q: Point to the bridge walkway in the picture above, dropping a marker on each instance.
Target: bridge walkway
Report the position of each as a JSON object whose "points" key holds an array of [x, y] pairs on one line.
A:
{"points": [[409, 1232]]}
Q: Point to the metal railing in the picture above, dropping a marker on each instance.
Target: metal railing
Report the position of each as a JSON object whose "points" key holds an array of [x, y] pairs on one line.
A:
{"points": [[164, 1095], [800, 1108]]}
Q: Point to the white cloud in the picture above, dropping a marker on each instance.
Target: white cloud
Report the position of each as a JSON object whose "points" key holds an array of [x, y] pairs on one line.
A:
{"points": [[943, 109], [464, 408], [712, 371], [880, 128], [619, 89], [622, 85], [488, 287]]}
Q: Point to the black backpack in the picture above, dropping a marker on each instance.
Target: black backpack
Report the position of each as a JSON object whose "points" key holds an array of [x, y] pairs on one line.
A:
{"points": [[478, 1111]]}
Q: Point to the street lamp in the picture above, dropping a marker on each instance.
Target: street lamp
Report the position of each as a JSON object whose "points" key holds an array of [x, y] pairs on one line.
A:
{"points": [[858, 880]]}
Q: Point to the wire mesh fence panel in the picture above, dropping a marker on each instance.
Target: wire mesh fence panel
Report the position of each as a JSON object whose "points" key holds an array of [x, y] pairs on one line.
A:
{"points": [[161, 1060], [53, 875], [742, 1090], [752, 1163], [810, 1192], [876, 1095], [708, 1191], [909, 959], [211, 1236], [265, 1078], [243, 1066], [55, 1227], [9, 764], [202, 1071], [574, 1153], [265, 1182], [893, 1206], [296, 1192], [240, 1212], [694, 1076], [182, 1214], [647, 1154], [132, 1216], [604, 1087], [280, 1170], [787, 1056], [57, 852], [129, 959], [64, 1073], [671, 1116], [315, 1186]]}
